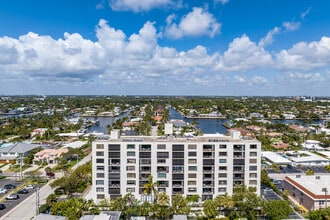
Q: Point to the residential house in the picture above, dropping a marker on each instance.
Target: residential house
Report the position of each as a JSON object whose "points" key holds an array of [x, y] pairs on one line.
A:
{"points": [[50, 156], [14, 151]]}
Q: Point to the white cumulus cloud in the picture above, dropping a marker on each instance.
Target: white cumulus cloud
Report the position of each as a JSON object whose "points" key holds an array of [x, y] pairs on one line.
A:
{"points": [[138, 5], [196, 23], [243, 55], [305, 56]]}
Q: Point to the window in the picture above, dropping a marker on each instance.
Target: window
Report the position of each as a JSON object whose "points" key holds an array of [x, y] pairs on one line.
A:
{"points": [[130, 190], [131, 175], [253, 146], [222, 160], [161, 146], [161, 161], [253, 175], [253, 154], [192, 168], [192, 146], [100, 196], [222, 175], [223, 146], [192, 189], [253, 160], [99, 182], [192, 175], [99, 153], [222, 168], [130, 153], [163, 155], [130, 182], [130, 168], [130, 146], [222, 182], [191, 182], [99, 160], [99, 167], [131, 161], [253, 182], [222, 154], [99, 146], [222, 189], [253, 167], [99, 189], [192, 154], [161, 175], [192, 161], [100, 175]]}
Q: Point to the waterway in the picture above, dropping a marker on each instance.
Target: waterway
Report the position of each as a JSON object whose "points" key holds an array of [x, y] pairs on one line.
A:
{"points": [[206, 126]]}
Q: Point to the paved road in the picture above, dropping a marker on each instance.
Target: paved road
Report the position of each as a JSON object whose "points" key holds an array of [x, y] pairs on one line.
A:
{"points": [[27, 209]]}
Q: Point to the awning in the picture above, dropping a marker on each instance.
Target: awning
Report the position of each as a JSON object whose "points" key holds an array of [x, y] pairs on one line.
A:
{"points": [[302, 208]]}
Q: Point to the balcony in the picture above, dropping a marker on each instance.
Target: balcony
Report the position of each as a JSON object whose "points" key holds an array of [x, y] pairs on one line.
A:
{"points": [[145, 162], [145, 170], [208, 191], [208, 170]]}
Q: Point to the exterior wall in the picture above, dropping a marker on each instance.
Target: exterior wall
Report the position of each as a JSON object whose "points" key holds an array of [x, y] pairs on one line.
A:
{"points": [[204, 167], [300, 196]]}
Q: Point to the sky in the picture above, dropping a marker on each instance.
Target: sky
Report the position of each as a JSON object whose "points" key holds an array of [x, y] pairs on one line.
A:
{"points": [[165, 47]]}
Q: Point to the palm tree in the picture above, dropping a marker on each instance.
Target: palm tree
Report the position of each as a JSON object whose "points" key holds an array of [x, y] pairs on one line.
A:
{"points": [[149, 189]]}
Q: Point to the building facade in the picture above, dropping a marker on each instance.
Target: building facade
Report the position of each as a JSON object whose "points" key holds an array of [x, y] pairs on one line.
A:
{"points": [[205, 165], [308, 192]]}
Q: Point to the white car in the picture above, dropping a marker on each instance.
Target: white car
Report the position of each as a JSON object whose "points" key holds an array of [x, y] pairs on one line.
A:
{"points": [[2, 191], [29, 186]]}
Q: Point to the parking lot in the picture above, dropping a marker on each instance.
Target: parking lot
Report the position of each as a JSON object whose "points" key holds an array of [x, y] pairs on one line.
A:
{"points": [[269, 194], [11, 203]]}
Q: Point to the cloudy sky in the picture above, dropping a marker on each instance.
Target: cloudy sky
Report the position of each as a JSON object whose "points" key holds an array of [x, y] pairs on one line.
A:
{"points": [[165, 47]]}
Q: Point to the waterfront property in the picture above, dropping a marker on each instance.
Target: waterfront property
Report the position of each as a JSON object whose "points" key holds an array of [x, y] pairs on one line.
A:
{"points": [[206, 166], [309, 192]]}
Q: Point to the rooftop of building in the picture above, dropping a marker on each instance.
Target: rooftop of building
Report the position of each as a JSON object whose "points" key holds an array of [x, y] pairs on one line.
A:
{"points": [[275, 157], [171, 138], [19, 148], [314, 184]]}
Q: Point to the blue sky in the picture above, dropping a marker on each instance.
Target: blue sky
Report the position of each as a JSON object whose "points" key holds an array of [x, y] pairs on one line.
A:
{"points": [[165, 47]]}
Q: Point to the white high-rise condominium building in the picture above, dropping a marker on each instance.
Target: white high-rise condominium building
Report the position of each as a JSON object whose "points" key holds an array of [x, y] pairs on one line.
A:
{"points": [[207, 166]]}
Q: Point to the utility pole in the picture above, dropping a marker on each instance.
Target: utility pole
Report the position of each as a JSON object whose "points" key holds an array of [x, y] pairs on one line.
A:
{"points": [[37, 201], [325, 190], [20, 167]]}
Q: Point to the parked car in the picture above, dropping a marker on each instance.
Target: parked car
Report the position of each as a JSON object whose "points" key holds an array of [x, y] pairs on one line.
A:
{"points": [[50, 174], [23, 191], [2, 206], [12, 196], [9, 186], [29, 187], [2, 191]]}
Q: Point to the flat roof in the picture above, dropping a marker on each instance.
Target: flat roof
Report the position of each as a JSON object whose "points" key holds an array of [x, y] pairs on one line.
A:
{"points": [[75, 144], [314, 184], [275, 157], [206, 138], [309, 158]]}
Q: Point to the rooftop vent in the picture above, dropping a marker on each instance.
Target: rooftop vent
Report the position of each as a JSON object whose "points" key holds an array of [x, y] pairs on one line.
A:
{"points": [[298, 176], [318, 177]]}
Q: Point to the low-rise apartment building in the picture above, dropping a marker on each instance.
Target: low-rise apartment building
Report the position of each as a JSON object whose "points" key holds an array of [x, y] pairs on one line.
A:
{"points": [[207, 166], [309, 192]]}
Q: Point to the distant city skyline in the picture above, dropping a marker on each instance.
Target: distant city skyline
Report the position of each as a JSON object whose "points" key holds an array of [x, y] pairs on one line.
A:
{"points": [[165, 47]]}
